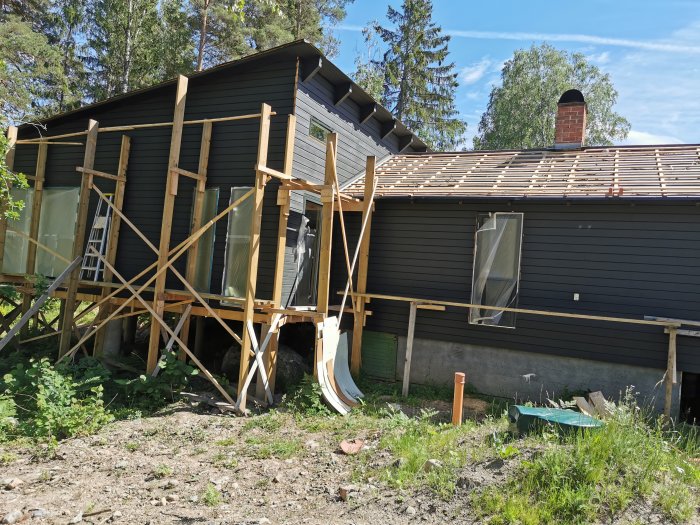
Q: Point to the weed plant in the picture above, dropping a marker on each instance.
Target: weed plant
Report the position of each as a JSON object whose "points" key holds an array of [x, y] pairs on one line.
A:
{"points": [[595, 475]]}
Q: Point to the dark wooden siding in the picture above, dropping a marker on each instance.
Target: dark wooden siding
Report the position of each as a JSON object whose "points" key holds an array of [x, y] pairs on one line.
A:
{"points": [[624, 260], [315, 98], [231, 161]]}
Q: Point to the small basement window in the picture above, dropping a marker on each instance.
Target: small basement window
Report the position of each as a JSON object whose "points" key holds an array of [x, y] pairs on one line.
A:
{"points": [[318, 130], [496, 274]]}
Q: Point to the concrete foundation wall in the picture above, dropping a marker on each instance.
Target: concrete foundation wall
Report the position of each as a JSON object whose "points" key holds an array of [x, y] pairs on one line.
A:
{"points": [[529, 376]]}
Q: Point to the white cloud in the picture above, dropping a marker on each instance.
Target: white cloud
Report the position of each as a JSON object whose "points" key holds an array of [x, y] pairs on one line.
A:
{"points": [[667, 46], [599, 58], [475, 72], [644, 138]]}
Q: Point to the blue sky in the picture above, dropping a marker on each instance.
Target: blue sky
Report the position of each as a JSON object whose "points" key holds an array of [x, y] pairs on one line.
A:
{"points": [[650, 48]]}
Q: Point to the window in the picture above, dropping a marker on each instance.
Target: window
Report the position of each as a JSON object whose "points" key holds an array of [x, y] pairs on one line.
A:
{"points": [[306, 255], [318, 130], [205, 246], [237, 245], [59, 213], [496, 268], [16, 245]]}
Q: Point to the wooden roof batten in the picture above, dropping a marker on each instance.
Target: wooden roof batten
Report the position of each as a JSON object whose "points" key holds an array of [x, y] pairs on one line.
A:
{"points": [[595, 172]]}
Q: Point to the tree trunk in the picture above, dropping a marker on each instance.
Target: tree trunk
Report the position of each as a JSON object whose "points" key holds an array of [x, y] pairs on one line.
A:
{"points": [[127, 48], [203, 34]]}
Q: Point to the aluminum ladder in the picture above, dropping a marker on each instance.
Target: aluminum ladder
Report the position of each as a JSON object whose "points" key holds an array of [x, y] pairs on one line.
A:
{"points": [[92, 268]]}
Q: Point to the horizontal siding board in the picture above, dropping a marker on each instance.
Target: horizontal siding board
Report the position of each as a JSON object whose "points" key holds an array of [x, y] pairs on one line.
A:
{"points": [[646, 267]]}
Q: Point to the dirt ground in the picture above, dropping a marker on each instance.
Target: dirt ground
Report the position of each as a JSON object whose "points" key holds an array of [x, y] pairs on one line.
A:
{"points": [[159, 469]]}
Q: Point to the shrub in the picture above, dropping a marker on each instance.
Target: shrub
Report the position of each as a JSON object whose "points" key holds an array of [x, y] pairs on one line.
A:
{"points": [[153, 392], [51, 404]]}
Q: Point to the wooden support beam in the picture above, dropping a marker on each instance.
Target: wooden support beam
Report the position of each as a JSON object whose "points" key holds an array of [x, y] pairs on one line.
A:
{"points": [[388, 128], [342, 93], [310, 68], [166, 225], [283, 201], [274, 173], [89, 171], [328, 202], [363, 265], [367, 112], [670, 376], [254, 252], [405, 142], [79, 239], [409, 350], [113, 239], [30, 268], [197, 210], [10, 163], [324, 263]]}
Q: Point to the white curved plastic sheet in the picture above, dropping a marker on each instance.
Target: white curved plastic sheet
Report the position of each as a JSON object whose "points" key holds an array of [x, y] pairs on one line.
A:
{"points": [[339, 391], [342, 370]]}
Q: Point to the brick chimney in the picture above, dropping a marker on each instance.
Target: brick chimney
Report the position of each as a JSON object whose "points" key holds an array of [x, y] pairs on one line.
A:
{"points": [[570, 129]]}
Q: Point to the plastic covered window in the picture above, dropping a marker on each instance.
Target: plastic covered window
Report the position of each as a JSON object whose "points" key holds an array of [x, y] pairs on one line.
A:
{"points": [[205, 246], [16, 245], [496, 274], [59, 213], [237, 245]]}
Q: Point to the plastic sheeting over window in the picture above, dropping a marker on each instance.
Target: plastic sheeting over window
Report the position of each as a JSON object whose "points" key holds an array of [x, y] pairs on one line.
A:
{"points": [[237, 245], [205, 246], [306, 256], [16, 245], [59, 213], [496, 268]]}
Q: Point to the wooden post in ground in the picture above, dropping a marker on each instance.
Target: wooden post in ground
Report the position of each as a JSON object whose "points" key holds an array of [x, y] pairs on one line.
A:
{"points": [[324, 263], [254, 251], [166, 225], [34, 225], [361, 302], [197, 211], [409, 350], [113, 239], [283, 201], [670, 378], [10, 163], [79, 240]]}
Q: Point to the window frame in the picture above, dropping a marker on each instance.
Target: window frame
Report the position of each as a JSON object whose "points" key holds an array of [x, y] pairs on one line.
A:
{"points": [[479, 218], [313, 121]]}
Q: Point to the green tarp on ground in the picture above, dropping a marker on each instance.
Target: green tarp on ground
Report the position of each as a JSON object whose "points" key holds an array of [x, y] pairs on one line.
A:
{"points": [[525, 419]]}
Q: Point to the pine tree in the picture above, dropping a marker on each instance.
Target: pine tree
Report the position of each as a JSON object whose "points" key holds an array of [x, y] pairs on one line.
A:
{"points": [[419, 87], [177, 49]]}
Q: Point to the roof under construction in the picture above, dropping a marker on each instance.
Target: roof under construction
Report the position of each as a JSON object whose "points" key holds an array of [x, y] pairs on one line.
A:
{"points": [[591, 172]]}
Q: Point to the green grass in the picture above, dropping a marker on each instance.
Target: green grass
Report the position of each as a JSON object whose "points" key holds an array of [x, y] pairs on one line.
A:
{"points": [[270, 422], [272, 447], [414, 441], [162, 471], [597, 474], [211, 496]]}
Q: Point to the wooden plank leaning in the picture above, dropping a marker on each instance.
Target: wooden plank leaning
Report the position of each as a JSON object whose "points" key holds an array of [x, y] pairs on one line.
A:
{"points": [[79, 240], [39, 302]]}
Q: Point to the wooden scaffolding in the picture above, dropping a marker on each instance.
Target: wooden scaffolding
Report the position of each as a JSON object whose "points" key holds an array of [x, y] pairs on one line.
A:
{"points": [[119, 297]]}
